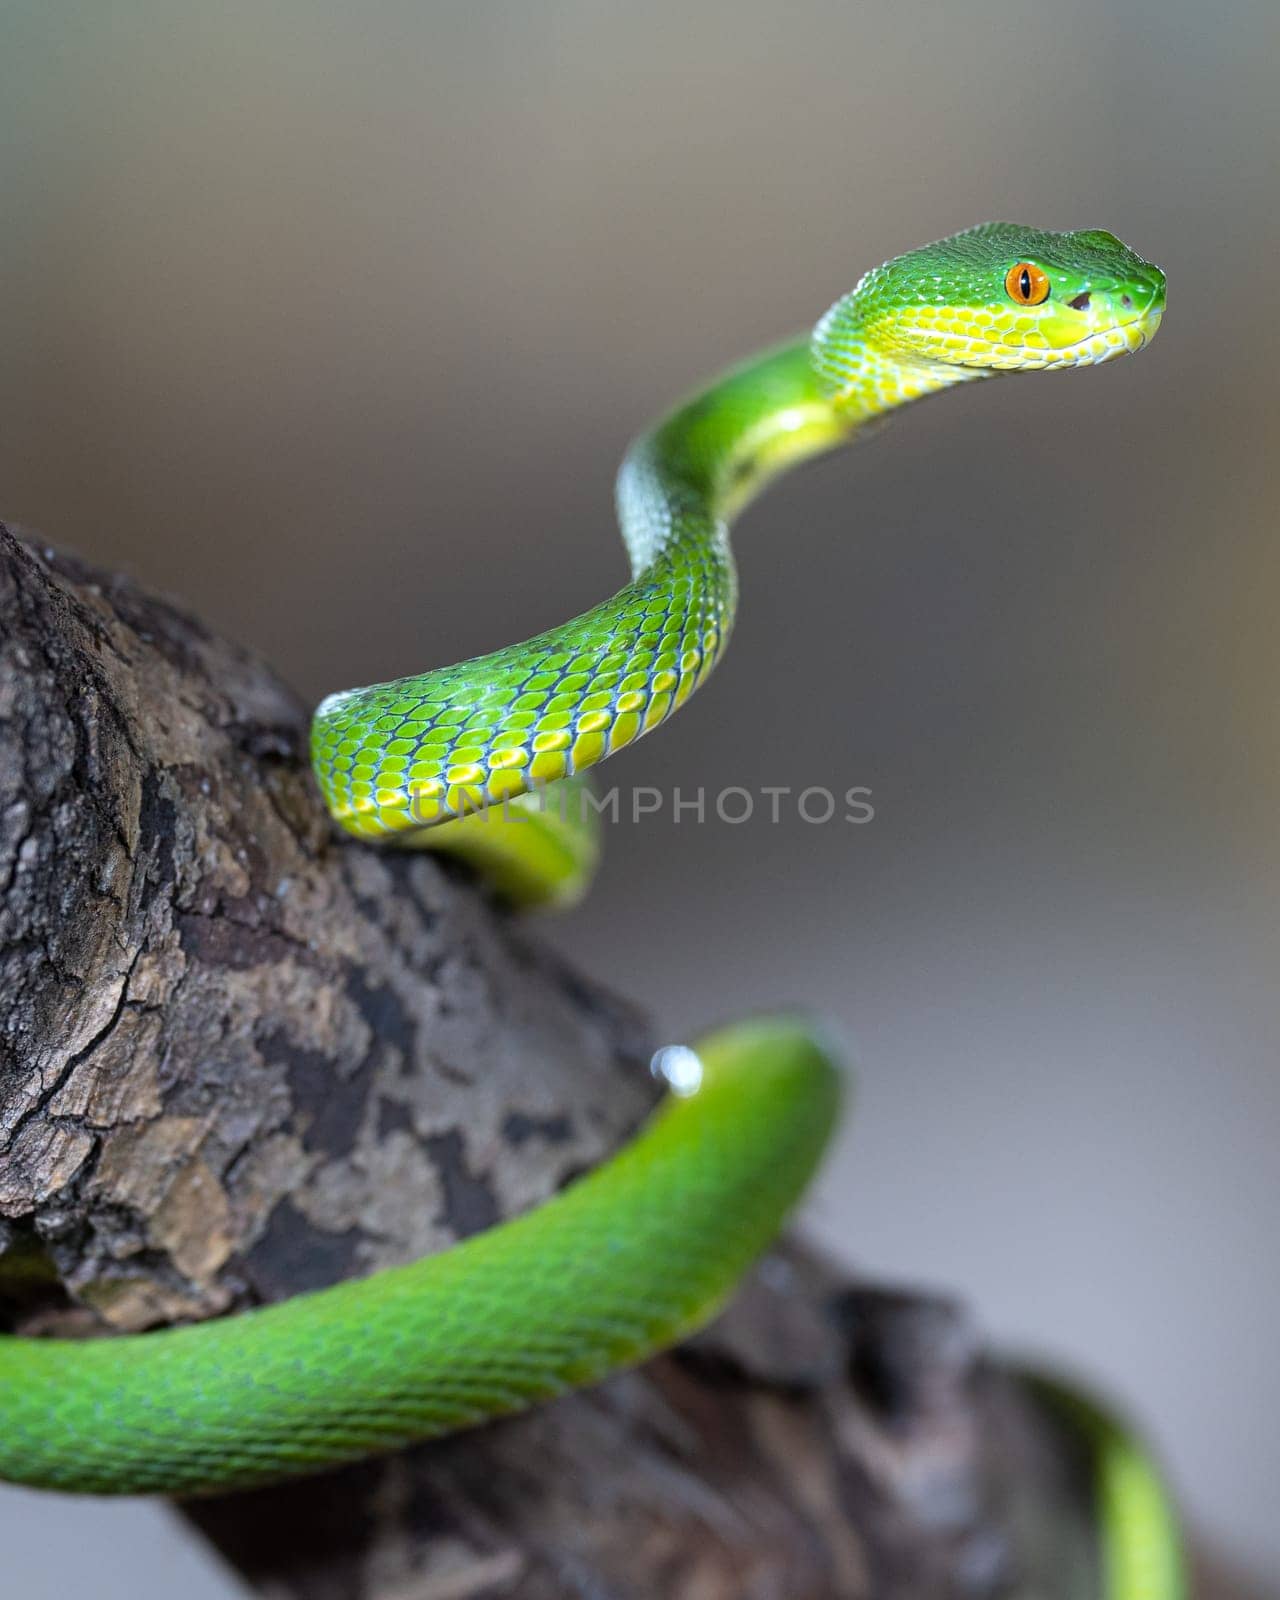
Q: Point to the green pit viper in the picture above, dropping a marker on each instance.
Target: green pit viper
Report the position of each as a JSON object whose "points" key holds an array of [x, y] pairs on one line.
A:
{"points": [[480, 759]]}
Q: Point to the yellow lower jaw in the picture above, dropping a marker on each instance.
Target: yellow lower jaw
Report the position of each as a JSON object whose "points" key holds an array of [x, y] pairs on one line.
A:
{"points": [[1103, 345], [1012, 340]]}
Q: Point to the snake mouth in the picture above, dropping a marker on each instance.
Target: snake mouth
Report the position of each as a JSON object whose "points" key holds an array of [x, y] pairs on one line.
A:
{"points": [[1144, 320], [1095, 345], [1144, 325]]}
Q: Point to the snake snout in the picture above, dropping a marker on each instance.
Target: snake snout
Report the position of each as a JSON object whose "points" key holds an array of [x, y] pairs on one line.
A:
{"points": [[1149, 292]]}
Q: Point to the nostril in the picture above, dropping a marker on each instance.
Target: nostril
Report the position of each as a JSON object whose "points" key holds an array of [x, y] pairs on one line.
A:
{"points": [[1125, 301], [1081, 301]]}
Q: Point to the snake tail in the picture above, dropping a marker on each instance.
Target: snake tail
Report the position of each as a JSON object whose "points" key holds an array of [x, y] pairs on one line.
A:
{"points": [[1140, 1550]]}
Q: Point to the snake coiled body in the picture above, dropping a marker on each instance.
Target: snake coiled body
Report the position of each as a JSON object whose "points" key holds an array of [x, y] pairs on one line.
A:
{"points": [[647, 1247]]}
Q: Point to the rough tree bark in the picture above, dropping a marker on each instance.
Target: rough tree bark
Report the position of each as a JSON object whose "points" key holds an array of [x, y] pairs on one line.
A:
{"points": [[240, 1058]]}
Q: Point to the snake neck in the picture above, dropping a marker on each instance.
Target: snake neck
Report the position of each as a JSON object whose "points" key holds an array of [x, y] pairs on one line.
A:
{"points": [[862, 373], [703, 462], [718, 451]]}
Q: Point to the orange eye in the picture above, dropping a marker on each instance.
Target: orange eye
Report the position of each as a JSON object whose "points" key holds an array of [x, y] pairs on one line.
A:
{"points": [[1026, 283]]}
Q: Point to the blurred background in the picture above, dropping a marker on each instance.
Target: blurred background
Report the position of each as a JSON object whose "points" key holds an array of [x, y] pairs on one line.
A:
{"points": [[333, 321]]}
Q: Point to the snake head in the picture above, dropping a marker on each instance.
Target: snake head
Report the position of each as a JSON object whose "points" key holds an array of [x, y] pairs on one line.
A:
{"points": [[1002, 298]]}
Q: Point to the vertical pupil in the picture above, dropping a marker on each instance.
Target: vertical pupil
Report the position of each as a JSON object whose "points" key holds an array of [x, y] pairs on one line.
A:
{"points": [[1024, 283]]}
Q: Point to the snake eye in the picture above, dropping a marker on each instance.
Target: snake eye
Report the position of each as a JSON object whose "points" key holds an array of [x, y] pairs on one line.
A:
{"points": [[1026, 283]]}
